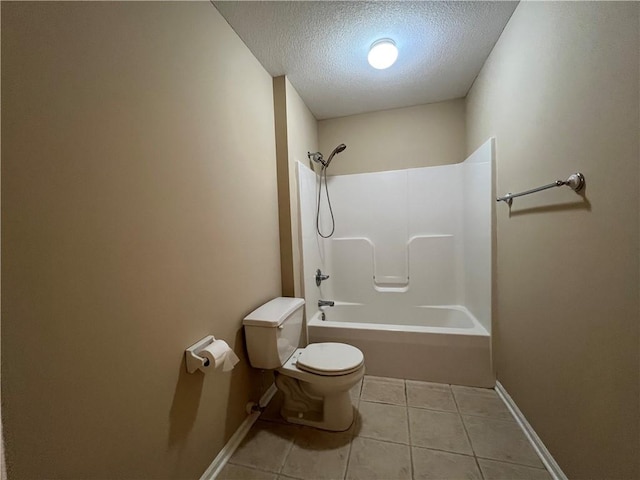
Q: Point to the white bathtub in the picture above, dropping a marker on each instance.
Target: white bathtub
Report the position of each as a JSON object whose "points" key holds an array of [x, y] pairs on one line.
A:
{"points": [[443, 344]]}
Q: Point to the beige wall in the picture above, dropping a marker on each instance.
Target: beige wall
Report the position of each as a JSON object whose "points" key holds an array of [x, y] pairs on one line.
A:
{"points": [[296, 134], [560, 94], [3, 463], [302, 128], [420, 136], [285, 218], [139, 215]]}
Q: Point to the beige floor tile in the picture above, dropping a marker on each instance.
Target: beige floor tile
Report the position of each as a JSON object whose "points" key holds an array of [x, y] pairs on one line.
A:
{"points": [[490, 392], [437, 465], [265, 447], [318, 455], [383, 422], [438, 430], [375, 460], [483, 406], [236, 472], [493, 470], [383, 390], [435, 396], [384, 429], [500, 440]]}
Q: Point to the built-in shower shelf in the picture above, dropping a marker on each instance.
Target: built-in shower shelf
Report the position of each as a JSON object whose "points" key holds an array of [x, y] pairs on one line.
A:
{"points": [[395, 289], [390, 283]]}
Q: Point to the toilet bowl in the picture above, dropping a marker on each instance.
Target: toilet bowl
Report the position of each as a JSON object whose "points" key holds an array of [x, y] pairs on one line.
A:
{"points": [[320, 397], [315, 380]]}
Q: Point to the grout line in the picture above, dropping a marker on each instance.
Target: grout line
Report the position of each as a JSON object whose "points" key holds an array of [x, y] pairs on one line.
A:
{"points": [[356, 420], [489, 417], [404, 393], [479, 468], [385, 440], [282, 475], [286, 457], [464, 426], [433, 409], [511, 462], [346, 467], [471, 455], [384, 403], [406, 409], [354, 427], [444, 451]]}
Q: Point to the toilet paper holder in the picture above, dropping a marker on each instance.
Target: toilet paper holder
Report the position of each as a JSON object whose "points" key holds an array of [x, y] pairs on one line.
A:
{"points": [[195, 361]]}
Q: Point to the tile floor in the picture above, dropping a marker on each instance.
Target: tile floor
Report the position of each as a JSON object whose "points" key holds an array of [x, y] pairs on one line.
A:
{"points": [[403, 430]]}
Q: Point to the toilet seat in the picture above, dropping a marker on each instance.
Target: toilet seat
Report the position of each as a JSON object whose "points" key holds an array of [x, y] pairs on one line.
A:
{"points": [[330, 359]]}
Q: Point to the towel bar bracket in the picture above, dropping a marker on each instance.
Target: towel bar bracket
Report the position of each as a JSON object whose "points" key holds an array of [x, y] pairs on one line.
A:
{"points": [[576, 181]]}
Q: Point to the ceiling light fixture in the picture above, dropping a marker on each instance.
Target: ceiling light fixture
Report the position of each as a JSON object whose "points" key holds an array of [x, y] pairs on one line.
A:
{"points": [[382, 54]]}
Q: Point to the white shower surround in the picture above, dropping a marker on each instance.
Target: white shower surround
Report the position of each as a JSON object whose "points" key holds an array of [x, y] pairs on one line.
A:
{"points": [[406, 242]]}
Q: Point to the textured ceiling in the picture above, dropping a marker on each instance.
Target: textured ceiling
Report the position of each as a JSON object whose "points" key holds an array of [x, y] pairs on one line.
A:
{"points": [[322, 47]]}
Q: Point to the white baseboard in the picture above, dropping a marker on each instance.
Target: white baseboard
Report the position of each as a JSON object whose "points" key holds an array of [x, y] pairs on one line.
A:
{"points": [[552, 466], [234, 442]]}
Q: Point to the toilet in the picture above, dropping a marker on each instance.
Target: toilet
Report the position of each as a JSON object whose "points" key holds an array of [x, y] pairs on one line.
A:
{"points": [[315, 380]]}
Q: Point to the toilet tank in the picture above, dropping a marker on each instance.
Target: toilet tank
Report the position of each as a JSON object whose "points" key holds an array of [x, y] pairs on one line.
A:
{"points": [[273, 332]]}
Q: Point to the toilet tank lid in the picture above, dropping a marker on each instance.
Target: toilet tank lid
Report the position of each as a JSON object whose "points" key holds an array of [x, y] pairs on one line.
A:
{"points": [[274, 312]]}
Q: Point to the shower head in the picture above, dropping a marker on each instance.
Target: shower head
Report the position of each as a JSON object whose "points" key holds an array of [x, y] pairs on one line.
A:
{"points": [[316, 157], [338, 149]]}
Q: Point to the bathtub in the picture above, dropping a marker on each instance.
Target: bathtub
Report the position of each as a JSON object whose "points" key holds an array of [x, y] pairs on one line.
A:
{"points": [[443, 344]]}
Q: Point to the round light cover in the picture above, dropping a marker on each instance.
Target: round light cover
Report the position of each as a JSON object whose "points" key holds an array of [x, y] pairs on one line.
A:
{"points": [[383, 54]]}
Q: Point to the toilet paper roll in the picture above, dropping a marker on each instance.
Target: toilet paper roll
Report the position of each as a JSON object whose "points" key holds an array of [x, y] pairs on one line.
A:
{"points": [[219, 354]]}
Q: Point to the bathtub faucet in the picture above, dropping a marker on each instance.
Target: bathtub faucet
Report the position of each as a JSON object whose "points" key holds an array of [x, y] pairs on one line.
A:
{"points": [[326, 303]]}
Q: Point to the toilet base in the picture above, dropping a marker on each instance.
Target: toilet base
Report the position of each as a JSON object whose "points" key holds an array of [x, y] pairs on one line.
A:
{"points": [[303, 405], [319, 424]]}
